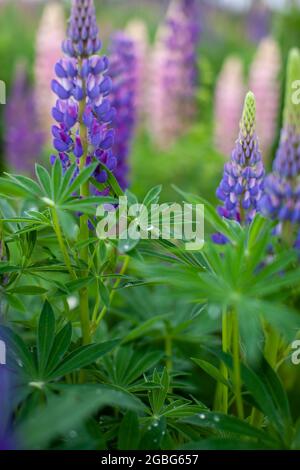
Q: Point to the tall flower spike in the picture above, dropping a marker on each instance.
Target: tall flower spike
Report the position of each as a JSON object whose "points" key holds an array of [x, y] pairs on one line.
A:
{"points": [[229, 96], [23, 138], [265, 85], [48, 46], [241, 187], [83, 110], [123, 71], [173, 72], [281, 200], [83, 39], [137, 31]]}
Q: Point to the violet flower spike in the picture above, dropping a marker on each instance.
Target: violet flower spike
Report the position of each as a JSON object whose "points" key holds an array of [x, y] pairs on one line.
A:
{"points": [[23, 138], [123, 71], [281, 199], [83, 111], [241, 187]]}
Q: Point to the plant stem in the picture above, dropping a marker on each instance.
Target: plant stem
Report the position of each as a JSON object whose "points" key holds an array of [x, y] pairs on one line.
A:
{"points": [[271, 346], [168, 348], [226, 336], [59, 236], [236, 365], [112, 294], [84, 231]]}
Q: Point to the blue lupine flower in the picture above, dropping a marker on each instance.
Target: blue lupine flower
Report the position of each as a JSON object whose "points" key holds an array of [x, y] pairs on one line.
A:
{"points": [[83, 111], [241, 187], [123, 71], [281, 200]]}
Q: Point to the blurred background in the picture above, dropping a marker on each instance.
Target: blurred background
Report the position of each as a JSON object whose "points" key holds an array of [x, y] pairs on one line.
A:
{"points": [[242, 44]]}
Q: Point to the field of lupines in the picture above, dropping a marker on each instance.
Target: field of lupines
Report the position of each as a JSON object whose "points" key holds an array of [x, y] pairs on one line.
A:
{"points": [[122, 334]]}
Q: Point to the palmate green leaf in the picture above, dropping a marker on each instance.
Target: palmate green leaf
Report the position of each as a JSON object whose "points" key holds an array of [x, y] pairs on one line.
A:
{"points": [[284, 319], [44, 179], [27, 184], [104, 293], [152, 197], [226, 444], [82, 357], [66, 182], [144, 328], [211, 370], [112, 181], [45, 337], [82, 178], [154, 434], [259, 388], [59, 348], [10, 189], [129, 432], [68, 410], [221, 423], [29, 290], [18, 350], [157, 397], [87, 205], [56, 180], [129, 365], [210, 214]]}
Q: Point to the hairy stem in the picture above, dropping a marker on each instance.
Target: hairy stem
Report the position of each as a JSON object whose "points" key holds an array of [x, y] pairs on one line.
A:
{"points": [[84, 231], [237, 365], [63, 248], [112, 294]]}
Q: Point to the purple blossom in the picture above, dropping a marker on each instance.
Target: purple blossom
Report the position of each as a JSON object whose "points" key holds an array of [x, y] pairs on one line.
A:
{"points": [[23, 138], [241, 187], [174, 73], [229, 96], [258, 21], [83, 110], [264, 83], [281, 200], [7, 440], [123, 71]]}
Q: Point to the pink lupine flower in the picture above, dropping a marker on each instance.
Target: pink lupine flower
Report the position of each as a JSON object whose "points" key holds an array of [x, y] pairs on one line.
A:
{"points": [[138, 33], [264, 83], [229, 97]]}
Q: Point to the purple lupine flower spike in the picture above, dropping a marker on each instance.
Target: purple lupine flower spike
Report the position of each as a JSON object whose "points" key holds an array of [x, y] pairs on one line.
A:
{"points": [[83, 87], [83, 39], [123, 71], [242, 184], [172, 93], [281, 199], [24, 139]]}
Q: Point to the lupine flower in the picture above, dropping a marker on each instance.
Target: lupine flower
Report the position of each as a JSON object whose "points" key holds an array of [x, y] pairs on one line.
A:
{"points": [[241, 187], [48, 46], [123, 71], [174, 73], [258, 21], [83, 110], [229, 97], [265, 85], [24, 140], [281, 200], [137, 31]]}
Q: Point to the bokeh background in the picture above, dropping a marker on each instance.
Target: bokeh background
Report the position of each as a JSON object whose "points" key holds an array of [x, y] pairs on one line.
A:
{"points": [[194, 160]]}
